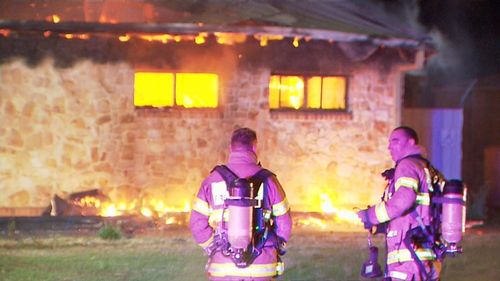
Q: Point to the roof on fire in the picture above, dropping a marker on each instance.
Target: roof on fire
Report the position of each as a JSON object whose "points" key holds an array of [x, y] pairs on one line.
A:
{"points": [[335, 20]]}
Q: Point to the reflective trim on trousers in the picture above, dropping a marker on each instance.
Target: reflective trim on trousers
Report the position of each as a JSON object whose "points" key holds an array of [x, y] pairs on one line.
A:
{"points": [[398, 275], [254, 270]]}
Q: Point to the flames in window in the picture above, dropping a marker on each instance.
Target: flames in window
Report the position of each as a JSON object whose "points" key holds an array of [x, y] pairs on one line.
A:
{"points": [[317, 92], [188, 90]]}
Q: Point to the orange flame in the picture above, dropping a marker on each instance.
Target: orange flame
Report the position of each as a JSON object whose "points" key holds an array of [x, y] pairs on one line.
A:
{"points": [[56, 19], [329, 216], [124, 38], [200, 39], [83, 36], [340, 214], [153, 208], [5, 32]]}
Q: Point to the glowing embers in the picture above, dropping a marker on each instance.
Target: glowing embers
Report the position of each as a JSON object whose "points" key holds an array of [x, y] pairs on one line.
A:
{"points": [[53, 18], [189, 90], [307, 92], [5, 32], [230, 38]]}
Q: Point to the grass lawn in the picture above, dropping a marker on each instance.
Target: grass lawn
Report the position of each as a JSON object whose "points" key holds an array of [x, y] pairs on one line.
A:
{"points": [[173, 255]]}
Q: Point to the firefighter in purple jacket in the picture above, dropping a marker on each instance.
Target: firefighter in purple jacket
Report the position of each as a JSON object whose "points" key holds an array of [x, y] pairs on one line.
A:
{"points": [[208, 209], [406, 202]]}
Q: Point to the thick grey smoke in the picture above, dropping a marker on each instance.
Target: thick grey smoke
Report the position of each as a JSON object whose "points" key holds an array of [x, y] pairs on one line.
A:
{"points": [[464, 32]]}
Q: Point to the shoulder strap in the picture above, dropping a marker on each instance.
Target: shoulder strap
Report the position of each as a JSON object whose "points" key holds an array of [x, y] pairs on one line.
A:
{"points": [[228, 175], [262, 175]]}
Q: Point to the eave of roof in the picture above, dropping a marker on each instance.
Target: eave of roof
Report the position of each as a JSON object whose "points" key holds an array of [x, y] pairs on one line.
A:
{"points": [[194, 29]]}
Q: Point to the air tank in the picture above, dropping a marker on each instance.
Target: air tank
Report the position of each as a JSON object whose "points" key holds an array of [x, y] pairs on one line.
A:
{"points": [[453, 216], [240, 206]]}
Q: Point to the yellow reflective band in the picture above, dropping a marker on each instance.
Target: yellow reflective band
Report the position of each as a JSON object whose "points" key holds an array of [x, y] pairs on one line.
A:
{"points": [[254, 270], [281, 208], [423, 199], [398, 274], [381, 212], [216, 216], [201, 207], [207, 243], [428, 179], [267, 215], [280, 267], [404, 255], [407, 182]]}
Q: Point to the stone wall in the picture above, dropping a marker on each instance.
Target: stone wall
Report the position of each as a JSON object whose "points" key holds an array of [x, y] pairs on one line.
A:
{"points": [[74, 128]]}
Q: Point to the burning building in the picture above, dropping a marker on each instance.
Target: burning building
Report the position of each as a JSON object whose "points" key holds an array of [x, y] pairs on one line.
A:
{"points": [[137, 99]]}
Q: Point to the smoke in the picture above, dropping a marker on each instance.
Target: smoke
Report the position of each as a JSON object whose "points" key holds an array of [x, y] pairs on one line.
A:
{"points": [[450, 61], [464, 33]]}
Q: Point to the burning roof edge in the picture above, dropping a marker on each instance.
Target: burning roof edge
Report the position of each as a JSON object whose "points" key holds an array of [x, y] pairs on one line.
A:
{"points": [[195, 29]]}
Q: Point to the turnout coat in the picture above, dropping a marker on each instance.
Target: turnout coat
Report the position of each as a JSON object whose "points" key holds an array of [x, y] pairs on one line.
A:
{"points": [[408, 191], [206, 217]]}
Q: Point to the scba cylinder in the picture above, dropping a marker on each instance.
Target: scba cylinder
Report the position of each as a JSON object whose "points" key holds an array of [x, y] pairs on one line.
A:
{"points": [[240, 207], [453, 217]]}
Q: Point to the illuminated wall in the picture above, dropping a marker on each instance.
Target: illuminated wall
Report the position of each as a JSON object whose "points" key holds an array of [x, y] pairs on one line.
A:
{"points": [[69, 124]]}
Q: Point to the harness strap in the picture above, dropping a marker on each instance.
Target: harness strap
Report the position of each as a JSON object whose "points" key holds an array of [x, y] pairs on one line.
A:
{"points": [[407, 241], [441, 200], [228, 175]]}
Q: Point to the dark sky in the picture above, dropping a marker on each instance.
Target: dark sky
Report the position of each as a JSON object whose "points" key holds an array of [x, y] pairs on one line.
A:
{"points": [[466, 32]]}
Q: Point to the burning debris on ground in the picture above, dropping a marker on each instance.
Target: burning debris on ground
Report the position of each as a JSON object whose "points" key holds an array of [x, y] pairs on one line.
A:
{"points": [[88, 211]]}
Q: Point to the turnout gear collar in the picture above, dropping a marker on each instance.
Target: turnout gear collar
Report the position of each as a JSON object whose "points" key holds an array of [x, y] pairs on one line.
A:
{"points": [[412, 151], [242, 157]]}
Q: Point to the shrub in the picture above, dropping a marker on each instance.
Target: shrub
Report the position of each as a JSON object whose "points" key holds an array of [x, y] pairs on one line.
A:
{"points": [[110, 232], [11, 228]]}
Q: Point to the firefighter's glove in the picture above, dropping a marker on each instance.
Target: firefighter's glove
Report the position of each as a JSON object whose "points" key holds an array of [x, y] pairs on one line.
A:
{"points": [[363, 216], [281, 246], [381, 228], [388, 174]]}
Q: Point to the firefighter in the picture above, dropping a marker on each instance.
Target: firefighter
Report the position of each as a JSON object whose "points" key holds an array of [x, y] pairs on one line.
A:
{"points": [[404, 207], [208, 228]]}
